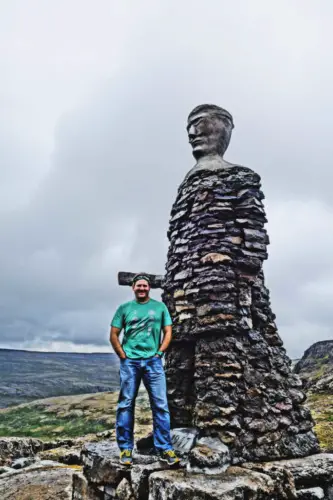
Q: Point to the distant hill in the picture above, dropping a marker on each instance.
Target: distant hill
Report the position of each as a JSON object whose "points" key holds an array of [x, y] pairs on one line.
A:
{"points": [[28, 375], [316, 367], [316, 370]]}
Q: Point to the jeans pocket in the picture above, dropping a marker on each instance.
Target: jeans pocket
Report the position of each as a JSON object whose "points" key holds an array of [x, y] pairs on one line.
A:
{"points": [[157, 364]]}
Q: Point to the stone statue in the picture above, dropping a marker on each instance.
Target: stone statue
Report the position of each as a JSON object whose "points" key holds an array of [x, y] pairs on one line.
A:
{"points": [[209, 131], [228, 374]]}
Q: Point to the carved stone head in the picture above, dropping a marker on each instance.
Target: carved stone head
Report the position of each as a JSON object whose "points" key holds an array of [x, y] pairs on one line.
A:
{"points": [[209, 130]]}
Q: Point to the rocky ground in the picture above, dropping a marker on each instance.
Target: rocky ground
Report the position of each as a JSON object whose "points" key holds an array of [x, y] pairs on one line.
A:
{"points": [[42, 467], [45, 460]]}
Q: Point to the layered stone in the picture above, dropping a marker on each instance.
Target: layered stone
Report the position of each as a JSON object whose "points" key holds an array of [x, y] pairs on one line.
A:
{"points": [[227, 371]]}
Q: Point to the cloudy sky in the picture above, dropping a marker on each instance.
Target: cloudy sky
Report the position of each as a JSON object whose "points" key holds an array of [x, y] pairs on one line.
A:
{"points": [[94, 98]]}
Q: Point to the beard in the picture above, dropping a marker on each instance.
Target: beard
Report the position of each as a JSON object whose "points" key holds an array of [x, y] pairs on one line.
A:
{"points": [[141, 296]]}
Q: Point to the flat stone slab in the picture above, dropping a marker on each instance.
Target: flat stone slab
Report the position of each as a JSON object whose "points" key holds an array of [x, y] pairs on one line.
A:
{"points": [[315, 470], [311, 494], [234, 484], [38, 483], [101, 463]]}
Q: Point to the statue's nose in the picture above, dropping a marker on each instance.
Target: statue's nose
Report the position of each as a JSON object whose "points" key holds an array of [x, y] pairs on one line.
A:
{"points": [[191, 131]]}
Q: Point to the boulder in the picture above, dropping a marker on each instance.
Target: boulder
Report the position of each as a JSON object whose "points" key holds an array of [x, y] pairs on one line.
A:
{"points": [[82, 490], [209, 455], [236, 483], [101, 463], [69, 456], [308, 472], [124, 491], [311, 494], [14, 447], [140, 478], [37, 483]]}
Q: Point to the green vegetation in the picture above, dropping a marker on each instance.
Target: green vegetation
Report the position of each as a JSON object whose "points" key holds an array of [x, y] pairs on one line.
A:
{"points": [[321, 406], [32, 422], [319, 373], [70, 416]]}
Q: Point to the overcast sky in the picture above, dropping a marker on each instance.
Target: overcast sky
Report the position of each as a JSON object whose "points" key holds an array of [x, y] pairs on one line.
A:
{"points": [[94, 98]]}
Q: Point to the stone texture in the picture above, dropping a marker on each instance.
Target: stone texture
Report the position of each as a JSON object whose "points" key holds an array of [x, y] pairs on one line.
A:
{"points": [[13, 447], [69, 456], [311, 494], [140, 476], [183, 440], [209, 456], [227, 371], [37, 483], [203, 475], [101, 463], [82, 490], [330, 493], [235, 484], [21, 463], [124, 491], [308, 472]]}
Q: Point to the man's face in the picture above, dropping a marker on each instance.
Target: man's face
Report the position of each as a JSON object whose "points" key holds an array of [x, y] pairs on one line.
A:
{"points": [[141, 289], [207, 133]]}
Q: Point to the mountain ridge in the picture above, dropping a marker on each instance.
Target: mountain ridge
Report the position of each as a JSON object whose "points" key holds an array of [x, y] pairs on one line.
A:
{"points": [[29, 375]]}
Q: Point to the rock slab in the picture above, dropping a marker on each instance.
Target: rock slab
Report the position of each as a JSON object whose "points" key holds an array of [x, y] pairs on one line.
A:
{"points": [[38, 484]]}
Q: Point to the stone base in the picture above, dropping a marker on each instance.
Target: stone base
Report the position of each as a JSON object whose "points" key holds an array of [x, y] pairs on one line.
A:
{"points": [[149, 479], [38, 482]]}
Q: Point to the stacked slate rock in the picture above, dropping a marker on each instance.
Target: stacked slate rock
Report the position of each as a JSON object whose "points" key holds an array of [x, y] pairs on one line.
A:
{"points": [[228, 374]]}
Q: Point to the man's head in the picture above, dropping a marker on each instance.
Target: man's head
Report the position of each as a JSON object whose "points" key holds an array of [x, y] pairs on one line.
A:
{"points": [[141, 287], [209, 130]]}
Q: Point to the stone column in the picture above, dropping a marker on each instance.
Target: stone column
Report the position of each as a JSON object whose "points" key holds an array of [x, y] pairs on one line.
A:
{"points": [[227, 371]]}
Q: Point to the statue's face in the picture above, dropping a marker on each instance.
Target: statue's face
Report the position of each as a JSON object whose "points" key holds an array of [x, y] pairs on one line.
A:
{"points": [[208, 133]]}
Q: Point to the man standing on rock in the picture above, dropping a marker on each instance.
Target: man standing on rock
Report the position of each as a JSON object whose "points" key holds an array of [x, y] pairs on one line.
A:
{"points": [[141, 359]]}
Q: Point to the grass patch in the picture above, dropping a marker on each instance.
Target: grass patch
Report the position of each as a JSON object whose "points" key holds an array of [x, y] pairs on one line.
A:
{"points": [[33, 422], [321, 406], [71, 416]]}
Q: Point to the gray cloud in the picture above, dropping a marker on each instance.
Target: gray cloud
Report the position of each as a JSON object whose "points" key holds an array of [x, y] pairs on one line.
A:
{"points": [[95, 148]]}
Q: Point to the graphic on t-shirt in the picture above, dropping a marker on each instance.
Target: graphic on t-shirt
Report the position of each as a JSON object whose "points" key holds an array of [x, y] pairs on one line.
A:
{"points": [[151, 321]]}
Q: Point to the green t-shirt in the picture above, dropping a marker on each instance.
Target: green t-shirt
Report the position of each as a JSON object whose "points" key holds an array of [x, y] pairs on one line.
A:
{"points": [[142, 324]]}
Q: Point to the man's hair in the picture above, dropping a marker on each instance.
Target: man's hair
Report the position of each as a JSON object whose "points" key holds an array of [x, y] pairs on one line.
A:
{"points": [[212, 108], [141, 276]]}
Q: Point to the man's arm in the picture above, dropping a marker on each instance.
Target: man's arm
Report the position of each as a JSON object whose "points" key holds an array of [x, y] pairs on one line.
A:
{"points": [[167, 334], [114, 339]]}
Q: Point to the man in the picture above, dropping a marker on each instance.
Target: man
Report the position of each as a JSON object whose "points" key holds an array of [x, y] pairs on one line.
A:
{"points": [[141, 359]]}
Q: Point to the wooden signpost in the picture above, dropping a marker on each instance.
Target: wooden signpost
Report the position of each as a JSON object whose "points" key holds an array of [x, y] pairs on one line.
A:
{"points": [[125, 279]]}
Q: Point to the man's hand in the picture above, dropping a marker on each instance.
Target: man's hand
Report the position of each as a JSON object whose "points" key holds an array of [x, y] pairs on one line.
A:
{"points": [[167, 334], [114, 339]]}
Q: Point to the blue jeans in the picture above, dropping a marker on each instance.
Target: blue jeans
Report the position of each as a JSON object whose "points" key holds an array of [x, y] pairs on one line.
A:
{"points": [[151, 371]]}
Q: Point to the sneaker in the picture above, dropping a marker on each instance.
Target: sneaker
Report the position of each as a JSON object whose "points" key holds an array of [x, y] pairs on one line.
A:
{"points": [[170, 457], [126, 457]]}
